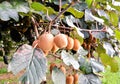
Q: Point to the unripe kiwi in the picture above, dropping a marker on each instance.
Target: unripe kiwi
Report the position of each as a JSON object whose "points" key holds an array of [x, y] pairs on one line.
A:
{"points": [[54, 48], [76, 77], [52, 65], [76, 45], [35, 44], [46, 41], [70, 43], [62, 68], [69, 79], [61, 40]]}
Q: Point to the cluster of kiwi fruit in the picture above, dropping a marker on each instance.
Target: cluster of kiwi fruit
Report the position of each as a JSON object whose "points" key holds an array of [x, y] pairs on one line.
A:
{"points": [[70, 78], [47, 42]]}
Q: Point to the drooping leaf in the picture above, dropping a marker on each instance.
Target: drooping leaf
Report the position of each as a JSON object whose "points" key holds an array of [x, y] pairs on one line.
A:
{"points": [[69, 60], [20, 59], [58, 76], [36, 71], [89, 79], [32, 60], [109, 49], [96, 66], [117, 34]]}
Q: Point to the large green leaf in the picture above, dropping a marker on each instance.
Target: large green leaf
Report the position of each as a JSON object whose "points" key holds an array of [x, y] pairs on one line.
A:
{"points": [[117, 34], [32, 60]]}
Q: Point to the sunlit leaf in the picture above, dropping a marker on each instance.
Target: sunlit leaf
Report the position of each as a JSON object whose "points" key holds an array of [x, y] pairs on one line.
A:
{"points": [[113, 17], [89, 2], [58, 76], [107, 60], [117, 34]]}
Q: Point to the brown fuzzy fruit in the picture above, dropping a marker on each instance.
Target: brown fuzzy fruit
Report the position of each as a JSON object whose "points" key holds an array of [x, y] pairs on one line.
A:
{"points": [[62, 68], [76, 76], [70, 43], [69, 79], [52, 65], [35, 44], [46, 41], [61, 40], [76, 45], [54, 48]]}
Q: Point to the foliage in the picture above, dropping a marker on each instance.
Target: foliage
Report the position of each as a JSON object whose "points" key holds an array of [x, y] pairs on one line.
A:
{"points": [[95, 23]]}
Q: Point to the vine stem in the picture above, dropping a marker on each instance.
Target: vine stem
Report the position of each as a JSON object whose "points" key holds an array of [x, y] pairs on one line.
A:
{"points": [[71, 28], [35, 27]]}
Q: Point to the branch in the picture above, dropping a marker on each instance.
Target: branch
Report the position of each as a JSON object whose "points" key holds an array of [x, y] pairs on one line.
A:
{"points": [[35, 27], [63, 11]]}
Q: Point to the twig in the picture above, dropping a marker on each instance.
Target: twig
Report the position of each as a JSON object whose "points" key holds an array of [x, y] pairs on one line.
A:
{"points": [[60, 4], [35, 27], [70, 28]]}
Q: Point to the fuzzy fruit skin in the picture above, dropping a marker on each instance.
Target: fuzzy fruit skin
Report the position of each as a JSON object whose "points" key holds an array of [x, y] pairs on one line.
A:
{"points": [[61, 40], [76, 45], [70, 43], [46, 41], [69, 79], [52, 65], [54, 48], [76, 76], [35, 43], [62, 68]]}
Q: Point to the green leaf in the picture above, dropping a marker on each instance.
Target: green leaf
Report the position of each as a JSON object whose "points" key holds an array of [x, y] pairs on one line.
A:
{"points": [[107, 60], [74, 11], [100, 49], [113, 18], [89, 2], [58, 76], [77, 34], [117, 34], [38, 6]]}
